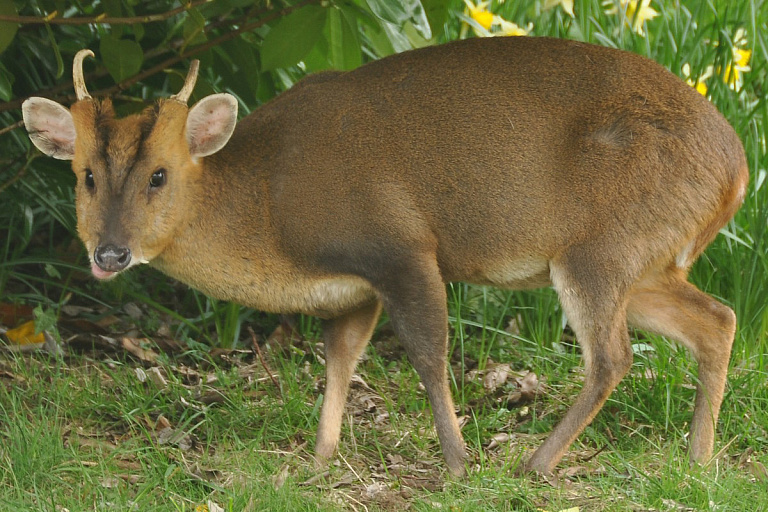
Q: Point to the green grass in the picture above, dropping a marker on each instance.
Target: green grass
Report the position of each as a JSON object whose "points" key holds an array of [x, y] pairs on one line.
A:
{"points": [[81, 433]]}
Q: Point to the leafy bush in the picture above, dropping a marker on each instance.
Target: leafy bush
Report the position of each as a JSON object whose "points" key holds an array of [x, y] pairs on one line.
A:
{"points": [[255, 50]]}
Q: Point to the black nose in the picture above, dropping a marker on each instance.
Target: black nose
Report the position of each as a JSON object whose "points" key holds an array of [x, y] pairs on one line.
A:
{"points": [[112, 258]]}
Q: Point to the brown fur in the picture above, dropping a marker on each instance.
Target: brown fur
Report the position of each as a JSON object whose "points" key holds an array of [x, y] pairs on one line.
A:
{"points": [[514, 162]]}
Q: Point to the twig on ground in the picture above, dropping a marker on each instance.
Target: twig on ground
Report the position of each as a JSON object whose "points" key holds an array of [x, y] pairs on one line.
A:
{"points": [[598, 452], [257, 349]]}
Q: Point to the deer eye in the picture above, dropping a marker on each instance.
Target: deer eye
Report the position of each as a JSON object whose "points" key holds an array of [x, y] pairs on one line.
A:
{"points": [[157, 179], [89, 179]]}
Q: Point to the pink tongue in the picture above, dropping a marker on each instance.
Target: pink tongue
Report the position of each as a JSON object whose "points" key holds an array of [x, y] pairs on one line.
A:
{"points": [[100, 274]]}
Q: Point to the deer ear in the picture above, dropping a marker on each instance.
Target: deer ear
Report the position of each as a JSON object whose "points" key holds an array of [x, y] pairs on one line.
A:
{"points": [[50, 127], [210, 124]]}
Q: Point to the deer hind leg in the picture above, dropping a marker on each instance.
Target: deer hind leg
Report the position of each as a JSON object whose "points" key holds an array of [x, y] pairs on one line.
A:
{"points": [[669, 305], [595, 308], [345, 338]]}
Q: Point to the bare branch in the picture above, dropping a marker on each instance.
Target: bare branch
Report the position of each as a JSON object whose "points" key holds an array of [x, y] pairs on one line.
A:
{"points": [[16, 177], [101, 19], [11, 127]]}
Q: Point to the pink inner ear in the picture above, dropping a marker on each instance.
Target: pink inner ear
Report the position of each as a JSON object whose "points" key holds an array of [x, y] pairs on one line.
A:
{"points": [[60, 131], [210, 124], [50, 127]]}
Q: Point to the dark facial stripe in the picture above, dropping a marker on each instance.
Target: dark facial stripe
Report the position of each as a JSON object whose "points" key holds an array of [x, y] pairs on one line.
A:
{"points": [[103, 124], [120, 150], [146, 124]]}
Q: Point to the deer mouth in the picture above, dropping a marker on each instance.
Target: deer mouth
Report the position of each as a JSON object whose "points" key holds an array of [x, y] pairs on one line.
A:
{"points": [[100, 274]]}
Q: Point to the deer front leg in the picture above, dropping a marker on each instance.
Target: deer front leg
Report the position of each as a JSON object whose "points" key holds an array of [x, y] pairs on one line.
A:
{"points": [[345, 338]]}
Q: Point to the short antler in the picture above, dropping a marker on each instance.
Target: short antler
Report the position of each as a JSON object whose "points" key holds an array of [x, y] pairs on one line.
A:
{"points": [[189, 83], [77, 74]]}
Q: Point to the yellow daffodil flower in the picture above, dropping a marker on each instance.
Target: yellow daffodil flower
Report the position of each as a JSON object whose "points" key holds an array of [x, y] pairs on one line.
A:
{"points": [[480, 13], [732, 74], [699, 83], [507, 28], [566, 4], [636, 12], [739, 65], [701, 88], [486, 24]]}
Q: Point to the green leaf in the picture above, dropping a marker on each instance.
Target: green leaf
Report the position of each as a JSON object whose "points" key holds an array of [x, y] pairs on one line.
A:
{"points": [[438, 14], [52, 271], [317, 58], [114, 8], [56, 51], [45, 319], [194, 28], [399, 12], [7, 30], [344, 48], [397, 39], [293, 37], [239, 68], [6, 84], [379, 39], [122, 57]]}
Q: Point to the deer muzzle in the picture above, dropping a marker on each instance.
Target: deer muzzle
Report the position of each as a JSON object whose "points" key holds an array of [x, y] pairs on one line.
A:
{"points": [[108, 259]]}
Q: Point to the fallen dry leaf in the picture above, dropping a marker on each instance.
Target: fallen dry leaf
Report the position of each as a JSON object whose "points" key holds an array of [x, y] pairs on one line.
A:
{"points": [[204, 474], [530, 386], [496, 377], [214, 396], [513, 326], [374, 489], [168, 344], [279, 479], [71, 310], [758, 470], [174, 437], [109, 482], [162, 423], [107, 321], [155, 375], [12, 314], [133, 345], [573, 471], [130, 479], [358, 380], [133, 310], [25, 335], [498, 439]]}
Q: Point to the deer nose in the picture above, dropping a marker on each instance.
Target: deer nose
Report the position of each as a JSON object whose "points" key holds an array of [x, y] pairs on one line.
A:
{"points": [[112, 258]]}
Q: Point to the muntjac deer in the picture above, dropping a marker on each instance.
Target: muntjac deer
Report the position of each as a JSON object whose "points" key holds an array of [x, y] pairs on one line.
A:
{"points": [[512, 162]]}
